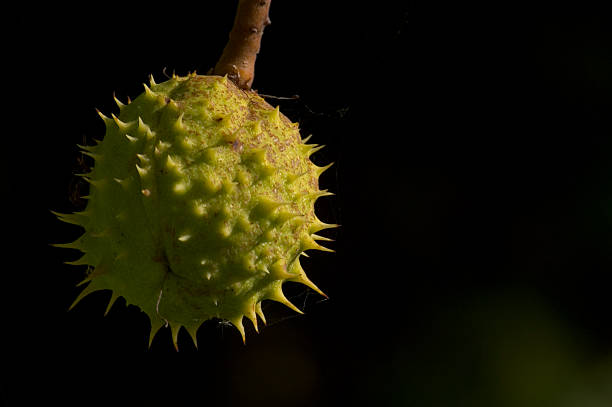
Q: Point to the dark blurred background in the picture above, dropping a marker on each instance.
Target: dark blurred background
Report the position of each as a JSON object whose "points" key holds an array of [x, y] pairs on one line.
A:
{"points": [[473, 153]]}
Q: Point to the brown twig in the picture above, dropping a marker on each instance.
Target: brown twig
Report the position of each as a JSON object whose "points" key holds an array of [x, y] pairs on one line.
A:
{"points": [[238, 58]]}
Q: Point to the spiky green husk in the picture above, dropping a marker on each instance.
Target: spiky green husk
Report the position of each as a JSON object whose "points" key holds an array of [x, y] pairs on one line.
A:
{"points": [[201, 202]]}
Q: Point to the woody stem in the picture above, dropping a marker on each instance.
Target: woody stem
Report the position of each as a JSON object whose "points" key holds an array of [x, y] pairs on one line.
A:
{"points": [[238, 58]]}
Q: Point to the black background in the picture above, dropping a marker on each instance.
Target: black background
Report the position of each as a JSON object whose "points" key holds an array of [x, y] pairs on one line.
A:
{"points": [[473, 151]]}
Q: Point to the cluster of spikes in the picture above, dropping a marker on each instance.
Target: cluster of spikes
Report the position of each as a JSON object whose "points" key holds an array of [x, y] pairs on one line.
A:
{"points": [[201, 203]]}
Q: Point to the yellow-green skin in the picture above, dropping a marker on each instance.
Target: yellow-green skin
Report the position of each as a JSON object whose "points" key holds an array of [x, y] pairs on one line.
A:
{"points": [[201, 202]]}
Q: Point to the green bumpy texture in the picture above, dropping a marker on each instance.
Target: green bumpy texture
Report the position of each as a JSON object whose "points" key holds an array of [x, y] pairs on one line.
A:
{"points": [[201, 202]]}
